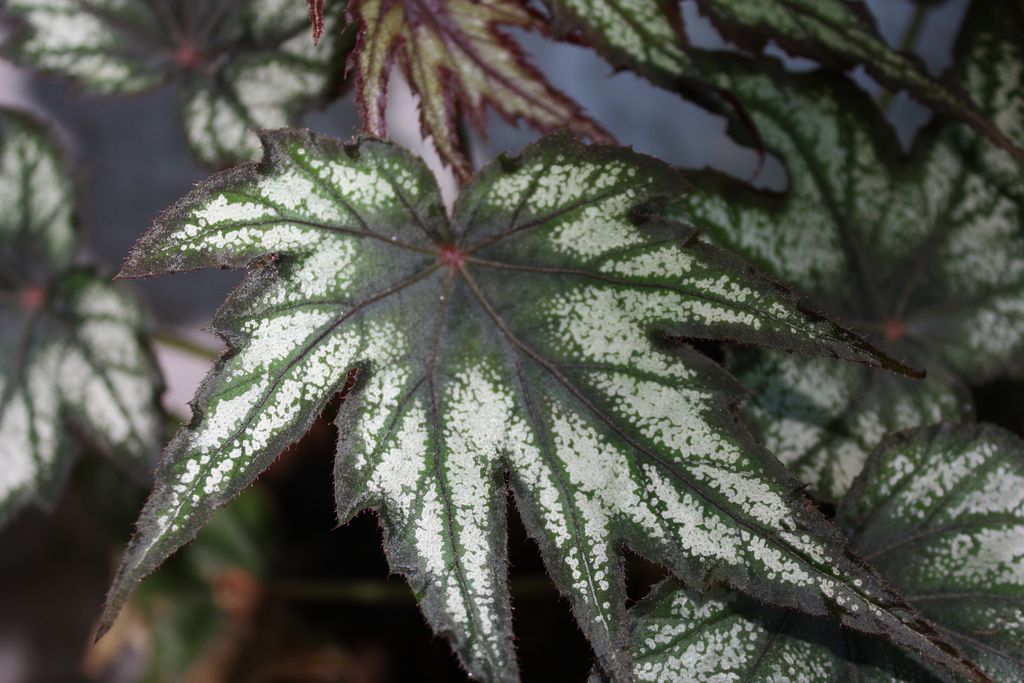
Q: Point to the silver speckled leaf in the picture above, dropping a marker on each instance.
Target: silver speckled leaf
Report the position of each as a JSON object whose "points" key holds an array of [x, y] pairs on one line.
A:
{"points": [[681, 636], [71, 358], [925, 255], [241, 65], [940, 513], [516, 339]]}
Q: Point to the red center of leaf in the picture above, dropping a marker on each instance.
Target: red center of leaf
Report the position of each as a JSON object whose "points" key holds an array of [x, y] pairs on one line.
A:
{"points": [[894, 330], [452, 256], [187, 56], [32, 298]]}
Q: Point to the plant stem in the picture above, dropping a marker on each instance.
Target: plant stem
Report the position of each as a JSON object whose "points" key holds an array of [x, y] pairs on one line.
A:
{"points": [[910, 36], [182, 344]]}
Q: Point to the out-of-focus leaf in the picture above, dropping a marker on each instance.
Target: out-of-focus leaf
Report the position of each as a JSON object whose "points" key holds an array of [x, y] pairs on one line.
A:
{"points": [[239, 64], [990, 65], [842, 34], [516, 339], [822, 417], [71, 354], [208, 594]]}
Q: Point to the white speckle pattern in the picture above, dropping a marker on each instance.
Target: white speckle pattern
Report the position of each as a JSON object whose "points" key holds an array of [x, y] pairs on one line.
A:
{"points": [[822, 417], [639, 34], [90, 369], [940, 512]]}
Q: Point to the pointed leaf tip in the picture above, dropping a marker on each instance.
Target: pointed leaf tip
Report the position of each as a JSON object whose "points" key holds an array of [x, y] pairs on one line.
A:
{"points": [[316, 19]]}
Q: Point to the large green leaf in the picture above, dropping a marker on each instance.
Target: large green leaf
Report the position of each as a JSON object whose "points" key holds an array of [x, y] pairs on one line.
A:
{"points": [[458, 57], [71, 357], [240, 64], [517, 339], [940, 512], [925, 255], [647, 36]]}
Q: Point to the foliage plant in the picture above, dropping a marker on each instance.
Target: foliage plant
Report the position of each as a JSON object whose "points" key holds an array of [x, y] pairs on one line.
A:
{"points": [[766, 393]]}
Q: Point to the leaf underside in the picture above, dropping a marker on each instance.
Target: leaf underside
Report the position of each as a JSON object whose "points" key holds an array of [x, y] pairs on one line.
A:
{"points": [[940, 512], [518, 339], [460, 60], [70, 349], [241, 66], [924, 255]]}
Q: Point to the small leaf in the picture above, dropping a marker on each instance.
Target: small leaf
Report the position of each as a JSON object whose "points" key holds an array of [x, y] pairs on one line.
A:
{"points": [[940, 513], [241, 65], [70, 347], [647, 37], [518, 339], [37, 233], [76, 40], [459, 60], [924, 255]]}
